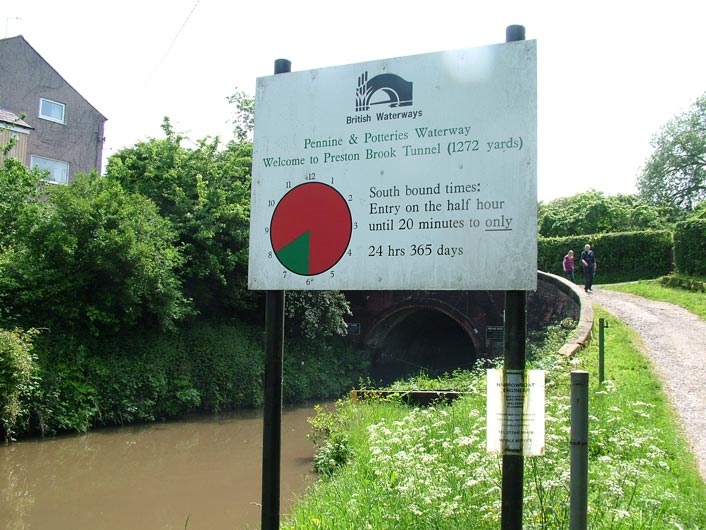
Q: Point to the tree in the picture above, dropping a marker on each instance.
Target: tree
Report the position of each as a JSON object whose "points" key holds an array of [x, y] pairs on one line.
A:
{"points": [[699, 212], [244, 116], [97, 259], [205, 193], [675, 174], [21, 191], [592, 212]]}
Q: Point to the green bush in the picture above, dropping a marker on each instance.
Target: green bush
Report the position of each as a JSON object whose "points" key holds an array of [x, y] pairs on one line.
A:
{"points": [[327, 368], [620, 257], [143, 376], [333, 454], [121, 254], [66, 399], [690, 247], [148, 374], [226, 362], [17, 369]]}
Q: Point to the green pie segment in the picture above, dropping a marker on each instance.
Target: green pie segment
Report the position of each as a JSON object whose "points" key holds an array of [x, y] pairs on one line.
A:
{"points": [[295, 255], [311, 228]]}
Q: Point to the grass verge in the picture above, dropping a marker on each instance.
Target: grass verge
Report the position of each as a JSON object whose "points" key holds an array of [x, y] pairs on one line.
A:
{"points": [[386, 465]]}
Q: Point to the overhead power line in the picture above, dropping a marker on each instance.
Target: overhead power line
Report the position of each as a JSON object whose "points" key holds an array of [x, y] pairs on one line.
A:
{"points": [[164, 57]]}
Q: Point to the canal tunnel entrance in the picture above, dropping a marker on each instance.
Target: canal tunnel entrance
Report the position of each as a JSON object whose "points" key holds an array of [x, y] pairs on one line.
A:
{"points": [[416, 340]]}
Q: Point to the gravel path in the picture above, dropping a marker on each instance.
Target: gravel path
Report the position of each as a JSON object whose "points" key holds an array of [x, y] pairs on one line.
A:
{"points": [[675, 340]]}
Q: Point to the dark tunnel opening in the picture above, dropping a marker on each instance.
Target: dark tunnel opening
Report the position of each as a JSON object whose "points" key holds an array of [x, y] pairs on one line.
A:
{"points": [[422, 341]]}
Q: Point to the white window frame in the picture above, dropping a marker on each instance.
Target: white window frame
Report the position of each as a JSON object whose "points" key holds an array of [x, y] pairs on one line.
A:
{"points": [[51, 165], [52, 118]]}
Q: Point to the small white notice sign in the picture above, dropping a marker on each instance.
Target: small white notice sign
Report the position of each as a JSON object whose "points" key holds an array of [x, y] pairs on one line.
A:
{"points": [[515, 412]]}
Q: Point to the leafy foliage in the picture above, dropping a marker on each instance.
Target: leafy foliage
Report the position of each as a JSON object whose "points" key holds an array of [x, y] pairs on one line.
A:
{"points": [[332, 455], [316, 314], [17, 369], [675, 174], [699, 212], [620, 256], [206, 365], [20, 199], [322, 369], [690, 247], [205, 193], [97, 258], [593, 212], [244, 115]]}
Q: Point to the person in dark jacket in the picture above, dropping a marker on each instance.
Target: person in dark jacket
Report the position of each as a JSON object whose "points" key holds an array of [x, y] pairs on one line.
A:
{"points": [[588, 260]]}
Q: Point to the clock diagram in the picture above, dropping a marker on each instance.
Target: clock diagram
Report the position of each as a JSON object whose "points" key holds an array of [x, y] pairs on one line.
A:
{"points": [[310, 228]]}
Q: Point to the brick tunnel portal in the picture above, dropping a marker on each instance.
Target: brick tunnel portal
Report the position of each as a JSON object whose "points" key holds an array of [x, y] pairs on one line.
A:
{"points": [[440, 331], [416, 340]]}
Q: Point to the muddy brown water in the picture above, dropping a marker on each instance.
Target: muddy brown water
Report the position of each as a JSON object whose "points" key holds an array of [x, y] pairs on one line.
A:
{"points": [[152, 477]]}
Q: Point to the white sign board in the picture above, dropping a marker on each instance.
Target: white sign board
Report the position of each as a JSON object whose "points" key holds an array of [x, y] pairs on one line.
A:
{"points": [[409, 173], [515, 412]]}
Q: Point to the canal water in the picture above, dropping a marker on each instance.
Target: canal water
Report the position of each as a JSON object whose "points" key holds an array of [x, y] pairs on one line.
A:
{"points": [[151, 477]]}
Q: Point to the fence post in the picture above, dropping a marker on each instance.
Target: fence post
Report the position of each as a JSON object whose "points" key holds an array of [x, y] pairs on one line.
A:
{"points": [[578, 489], [601, 351]]}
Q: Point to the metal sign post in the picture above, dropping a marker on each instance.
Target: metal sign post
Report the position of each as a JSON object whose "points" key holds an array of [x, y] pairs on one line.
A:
{"points": [[272, 414], [514, 359]]}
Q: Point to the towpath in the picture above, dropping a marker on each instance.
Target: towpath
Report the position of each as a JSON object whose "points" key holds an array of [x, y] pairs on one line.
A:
{"points": [[675, 341]]}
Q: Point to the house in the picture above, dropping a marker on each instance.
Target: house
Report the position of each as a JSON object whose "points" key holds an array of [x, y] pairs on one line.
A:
{"points": [[58, 130]]}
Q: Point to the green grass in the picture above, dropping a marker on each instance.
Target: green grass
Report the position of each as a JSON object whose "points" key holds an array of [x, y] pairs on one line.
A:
{"points": [[427, 468], [652, 289]]}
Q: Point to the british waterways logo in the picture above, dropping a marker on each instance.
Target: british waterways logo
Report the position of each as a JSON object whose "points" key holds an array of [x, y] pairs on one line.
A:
{"points": [[384, 89]]}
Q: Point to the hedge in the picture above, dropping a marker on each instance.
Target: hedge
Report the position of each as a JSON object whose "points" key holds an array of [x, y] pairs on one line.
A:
{"points": [[206, 366], [624, 256], [690, 247]]}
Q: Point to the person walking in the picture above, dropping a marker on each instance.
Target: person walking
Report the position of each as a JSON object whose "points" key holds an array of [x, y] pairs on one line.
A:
{"points": [[568, 266], [588, 260]]}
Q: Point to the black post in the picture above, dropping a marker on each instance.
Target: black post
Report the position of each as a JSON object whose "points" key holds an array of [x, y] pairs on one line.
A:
{"points": [[514, 359], [272, 414], [601, 351]]}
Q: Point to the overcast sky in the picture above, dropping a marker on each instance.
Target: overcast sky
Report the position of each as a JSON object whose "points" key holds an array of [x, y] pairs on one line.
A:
{"points": [[610, 73]]}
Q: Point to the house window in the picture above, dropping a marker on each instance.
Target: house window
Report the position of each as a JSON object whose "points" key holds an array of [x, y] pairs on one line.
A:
{"points": [[58, 171], [51, 110]]}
